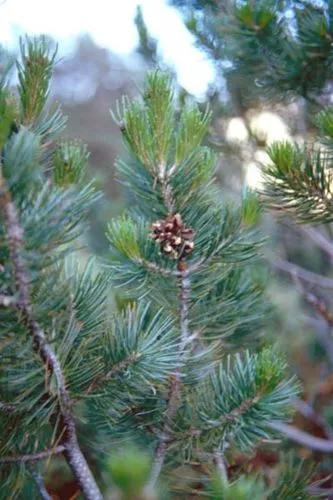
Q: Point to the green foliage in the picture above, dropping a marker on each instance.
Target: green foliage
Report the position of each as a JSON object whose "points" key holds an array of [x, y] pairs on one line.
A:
{"points": [[268, 49], [129, 471], [222, 402], [68, 303], [163, 371], [34, 73], [70, 160], [9, 113], [239, 400], [324, 122], [293, 481], [140, 348], [20, 160], [242, 489], [299, 182], [250, 209]]}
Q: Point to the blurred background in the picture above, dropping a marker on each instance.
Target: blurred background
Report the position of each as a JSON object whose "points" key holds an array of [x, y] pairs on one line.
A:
{"points": [[105, 48]]}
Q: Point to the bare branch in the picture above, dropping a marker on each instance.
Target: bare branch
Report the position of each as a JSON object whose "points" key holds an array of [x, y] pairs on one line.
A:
{"points": [[301, 273], [320, 307], [39, 480], [305, 409], [318, 238], [33, 457], [73, 454], [303, 438]]}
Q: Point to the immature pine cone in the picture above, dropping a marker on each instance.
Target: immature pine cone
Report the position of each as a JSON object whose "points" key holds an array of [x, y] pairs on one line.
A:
{"points": [[175, 239]]}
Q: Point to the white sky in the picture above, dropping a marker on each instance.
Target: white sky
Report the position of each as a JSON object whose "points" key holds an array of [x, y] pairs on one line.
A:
{"points": [[111, 25]]}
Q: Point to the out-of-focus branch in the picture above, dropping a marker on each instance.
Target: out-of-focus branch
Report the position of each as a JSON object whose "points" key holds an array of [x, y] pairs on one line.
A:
{"points": [[308, 412], [303, 274], [318, 238], [324, 337], [39, 480], [303, 438], [320, 307]]}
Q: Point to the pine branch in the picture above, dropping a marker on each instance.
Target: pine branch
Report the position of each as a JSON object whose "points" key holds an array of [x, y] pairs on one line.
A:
{"points": [[33, 457], [73, 454]]}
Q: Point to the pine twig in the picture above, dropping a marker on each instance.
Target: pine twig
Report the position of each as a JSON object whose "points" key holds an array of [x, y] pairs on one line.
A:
{"points": [[72, 452], [33, 457], [174, 392]]}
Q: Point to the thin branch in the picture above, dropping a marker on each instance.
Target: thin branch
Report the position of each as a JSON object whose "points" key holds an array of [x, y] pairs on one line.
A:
{"points": [[39, 480], [319, 305], [184, 297], [73, 454], [151, 266], [308, 412], [33, 457], [303, 438], [318, 238], [301, 273], [221, 466], [174, 391], [325, 337]]}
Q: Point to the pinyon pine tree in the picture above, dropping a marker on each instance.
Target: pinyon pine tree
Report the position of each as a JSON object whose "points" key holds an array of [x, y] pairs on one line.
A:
{"points": [[172, 369]]}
